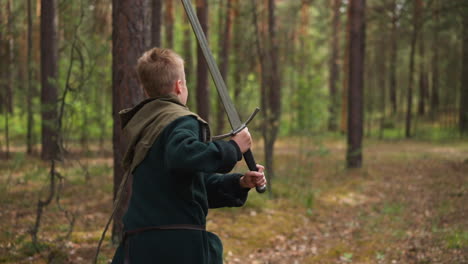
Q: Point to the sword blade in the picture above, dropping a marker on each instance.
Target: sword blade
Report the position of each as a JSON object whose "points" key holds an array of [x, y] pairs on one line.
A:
{"points": [[223, 93]]}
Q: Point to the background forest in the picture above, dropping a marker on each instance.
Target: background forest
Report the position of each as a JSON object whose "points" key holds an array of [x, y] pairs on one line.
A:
{"points": [[363, 126]]}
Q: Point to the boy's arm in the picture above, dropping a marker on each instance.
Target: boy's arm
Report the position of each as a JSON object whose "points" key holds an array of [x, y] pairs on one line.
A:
{"points": [[186, 152], [225, 190], [231, 190]]}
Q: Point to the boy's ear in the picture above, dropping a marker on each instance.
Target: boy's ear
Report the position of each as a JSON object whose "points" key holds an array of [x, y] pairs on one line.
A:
{"points": [[178, 87]]}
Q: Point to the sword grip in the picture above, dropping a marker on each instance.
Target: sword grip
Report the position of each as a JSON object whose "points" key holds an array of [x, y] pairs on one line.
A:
{"points": [[249, 159]]}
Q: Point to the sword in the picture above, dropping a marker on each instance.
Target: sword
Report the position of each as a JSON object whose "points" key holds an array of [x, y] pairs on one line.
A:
{"points": [[233, 115]]}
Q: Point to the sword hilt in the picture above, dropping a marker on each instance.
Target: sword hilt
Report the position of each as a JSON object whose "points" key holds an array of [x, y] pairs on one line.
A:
{"points": [[248, 155], [238, 129], [249, 159]]}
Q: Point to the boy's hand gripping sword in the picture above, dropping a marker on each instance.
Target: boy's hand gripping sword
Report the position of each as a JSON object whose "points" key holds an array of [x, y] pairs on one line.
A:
{"points": [[231, 111]]}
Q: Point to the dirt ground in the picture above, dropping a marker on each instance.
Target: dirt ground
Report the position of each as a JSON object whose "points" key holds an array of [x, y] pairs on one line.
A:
{"points": [[408, 204]]}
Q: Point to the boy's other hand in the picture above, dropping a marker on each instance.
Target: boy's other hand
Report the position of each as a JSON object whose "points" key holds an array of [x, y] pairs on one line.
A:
{"points": [[252, 179], [243, 140]]}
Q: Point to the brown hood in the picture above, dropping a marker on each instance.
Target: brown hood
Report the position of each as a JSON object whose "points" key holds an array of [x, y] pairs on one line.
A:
{"points": [[143, 124]]}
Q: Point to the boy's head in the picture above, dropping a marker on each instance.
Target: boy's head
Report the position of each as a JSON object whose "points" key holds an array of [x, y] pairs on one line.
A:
{"points": [[161, 72]]}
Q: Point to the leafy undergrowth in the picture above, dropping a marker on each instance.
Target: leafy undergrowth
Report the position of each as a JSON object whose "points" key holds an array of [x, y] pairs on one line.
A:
{"points": [[408, 204]]}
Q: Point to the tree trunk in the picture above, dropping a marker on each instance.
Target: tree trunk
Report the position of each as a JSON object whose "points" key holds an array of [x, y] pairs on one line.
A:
{"points": [[203, 92], [356, 82], [30, 90], [423, 78], [128, 44], [334, 66], [435, 64], [274, 98], [188, 58], [463, 117], [393, 59], [156, 23], [49, 53], [270, 87], [224, 43], [10, 58], [409, 102], [345, 92], [237, 50], [169, 23], [381, 78]]}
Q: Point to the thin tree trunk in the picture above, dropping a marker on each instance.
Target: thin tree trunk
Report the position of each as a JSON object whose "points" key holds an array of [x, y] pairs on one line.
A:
{"points": [[382, 81], [6, 45], [423, 78], [30, 90], [237, 50], [334, 66], [128, 44], [345, 92], [409, 102], [203, 92], [10, 57], [356, 82], [270, 87], [435, 64], [169, 23], [302, 70], [156, 23], [393, 59], [274, 98], [414, 37], [463, 115], [225, 43], [188, 58], [49, 54]]}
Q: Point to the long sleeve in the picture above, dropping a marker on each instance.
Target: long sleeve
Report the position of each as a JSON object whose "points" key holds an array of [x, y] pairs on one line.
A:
{"points": [[186, 152], [224, 190]]}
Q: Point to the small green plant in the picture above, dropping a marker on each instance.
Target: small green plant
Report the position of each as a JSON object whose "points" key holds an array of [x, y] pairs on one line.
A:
{"points": [[392, 209], [380, 256], [347, 257], [457, 239]]}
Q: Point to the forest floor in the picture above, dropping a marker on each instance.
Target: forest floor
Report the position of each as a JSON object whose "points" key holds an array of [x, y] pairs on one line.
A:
{"points": [[408, 204]]}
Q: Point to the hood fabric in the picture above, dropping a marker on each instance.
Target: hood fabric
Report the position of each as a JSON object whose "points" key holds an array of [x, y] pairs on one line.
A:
{"points": [[143, 123]]}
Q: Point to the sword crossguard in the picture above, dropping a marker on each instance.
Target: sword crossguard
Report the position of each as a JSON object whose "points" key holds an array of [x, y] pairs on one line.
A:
{"points": [[239, 129]]}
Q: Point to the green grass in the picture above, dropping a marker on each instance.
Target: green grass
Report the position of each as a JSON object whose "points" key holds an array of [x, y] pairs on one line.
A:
{"points": [[457, 239]]}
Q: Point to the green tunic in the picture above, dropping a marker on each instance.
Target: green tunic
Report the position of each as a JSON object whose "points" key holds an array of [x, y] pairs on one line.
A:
{"points": [[176, 182]]}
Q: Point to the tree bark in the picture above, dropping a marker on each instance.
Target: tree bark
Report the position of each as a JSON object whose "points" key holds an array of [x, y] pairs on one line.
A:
{"points": [[381, 78], [274, 94], [393, 59], [202, 88], [334, 66], [188, 58], [414, 37], [128, 44], [49, 54], [225, 44], [270, 87], [345, 92], [169, 23], [30, 90], [237, 50], [10, 57], [463, 116], [356, 82], [423, 78], [435, 63], [156, 23]]}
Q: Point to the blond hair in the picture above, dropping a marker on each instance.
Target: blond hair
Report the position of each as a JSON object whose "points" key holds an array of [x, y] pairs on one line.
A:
{"points": [[158, 69]]}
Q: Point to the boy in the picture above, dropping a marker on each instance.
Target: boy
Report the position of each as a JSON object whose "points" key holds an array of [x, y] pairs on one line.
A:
{"points": [[175, 168]]}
